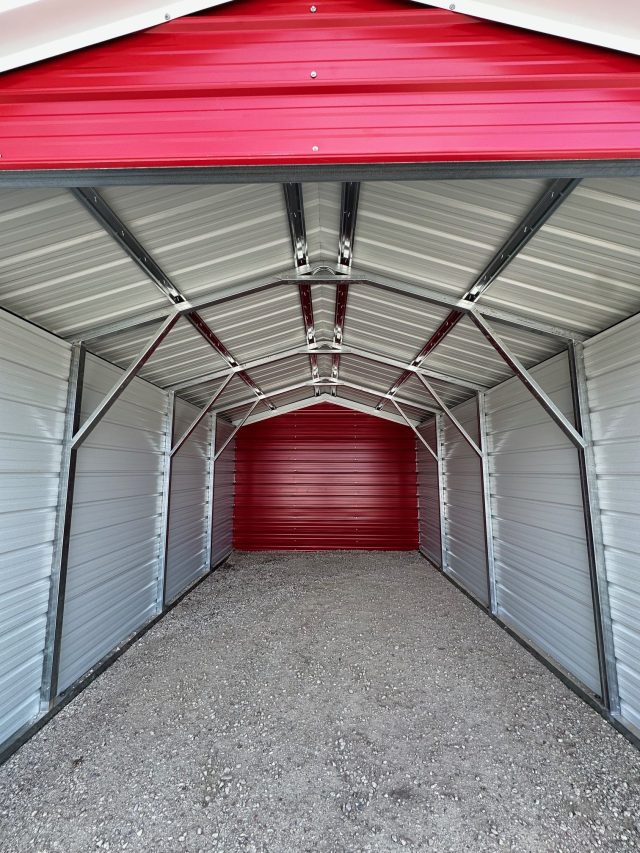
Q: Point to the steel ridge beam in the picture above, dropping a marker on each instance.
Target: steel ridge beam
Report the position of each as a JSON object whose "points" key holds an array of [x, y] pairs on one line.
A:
{"points": [[526, 229], [101, 211]]}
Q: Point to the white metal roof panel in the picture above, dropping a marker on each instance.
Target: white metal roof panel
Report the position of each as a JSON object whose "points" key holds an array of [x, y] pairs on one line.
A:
{"points": [[280, 374], [440, 233], [581, 269], [183, 354], [60, 269], [260, 324], [466, 354], [323, 298], [322, 218], [390, 324], [207, 236]]}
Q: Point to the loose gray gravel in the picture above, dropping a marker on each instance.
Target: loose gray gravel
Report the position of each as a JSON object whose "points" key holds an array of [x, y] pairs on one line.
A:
{"points": [[324, 702]]}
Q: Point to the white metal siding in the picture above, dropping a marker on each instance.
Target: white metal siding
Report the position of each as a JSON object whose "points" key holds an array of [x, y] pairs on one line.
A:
{"points": [[223, 495], [612, 362], [113, 568], [541, 561], [466, 554], [34, 371], [428, 496], [187, 550]]}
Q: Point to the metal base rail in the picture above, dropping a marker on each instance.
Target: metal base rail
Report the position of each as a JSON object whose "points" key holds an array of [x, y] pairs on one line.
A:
{"points": [[581, 692], [19, 738]]}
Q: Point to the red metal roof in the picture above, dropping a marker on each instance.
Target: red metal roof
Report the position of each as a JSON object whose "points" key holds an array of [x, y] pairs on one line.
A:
{"points": [[395, 82]]}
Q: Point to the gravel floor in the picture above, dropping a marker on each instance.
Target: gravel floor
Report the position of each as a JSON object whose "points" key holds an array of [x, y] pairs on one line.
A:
{"points": [[333, 702]]}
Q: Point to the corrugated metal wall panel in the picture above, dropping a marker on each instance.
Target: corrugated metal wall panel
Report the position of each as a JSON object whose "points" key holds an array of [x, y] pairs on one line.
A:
{"points": [[34, 372], [113, 567], [189, 504], [541, 561], [467, 559], [612, 363], [397, 82], [325, 478], [223, 494], [429, 496]]}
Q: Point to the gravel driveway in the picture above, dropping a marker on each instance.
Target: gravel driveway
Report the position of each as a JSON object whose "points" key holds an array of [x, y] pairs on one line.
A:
{"points": [[324, 702]]}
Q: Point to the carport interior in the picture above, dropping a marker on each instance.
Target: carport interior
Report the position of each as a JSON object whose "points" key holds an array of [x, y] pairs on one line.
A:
{"points": [[168, 350]]}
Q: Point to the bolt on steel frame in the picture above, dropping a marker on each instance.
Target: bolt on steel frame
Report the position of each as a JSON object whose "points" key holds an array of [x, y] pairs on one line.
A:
{"points": [[579, 435]]}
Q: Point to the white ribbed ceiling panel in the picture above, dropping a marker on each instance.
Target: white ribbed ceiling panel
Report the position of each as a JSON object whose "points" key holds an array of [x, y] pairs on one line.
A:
{"points": [[440, 233], [207, 236], [184, 353], [260, 324], [60, 269], [581, 269], [466, 354], [388, 323], [281, 374], [323, 297], [413, 389], [322, 219]]}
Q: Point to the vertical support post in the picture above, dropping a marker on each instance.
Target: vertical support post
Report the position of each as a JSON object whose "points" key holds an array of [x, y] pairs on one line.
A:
{"points": [[442, 493], [212, 483], [166, 503], [57, 589], [593, 529], [486, 503]]}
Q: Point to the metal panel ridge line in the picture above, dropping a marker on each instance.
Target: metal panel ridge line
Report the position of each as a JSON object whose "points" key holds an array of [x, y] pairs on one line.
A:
{"points": [[526, 229], [350, 195], [96, 205]]}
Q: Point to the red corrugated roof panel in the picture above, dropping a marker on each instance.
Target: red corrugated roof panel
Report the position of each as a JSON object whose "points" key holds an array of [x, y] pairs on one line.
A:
{"points": [[395, 82]]}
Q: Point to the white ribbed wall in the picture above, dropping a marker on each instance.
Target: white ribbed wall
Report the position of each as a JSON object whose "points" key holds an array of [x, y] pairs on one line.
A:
{"points": [[189, 505], [34, 372], [223, 495], [541, 561], [466, 552], [113, 568], [428, 496], [612, 363]]}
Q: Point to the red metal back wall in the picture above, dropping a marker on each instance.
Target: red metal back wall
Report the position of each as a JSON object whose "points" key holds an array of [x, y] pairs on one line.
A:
{"points": [[325, 478]]}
